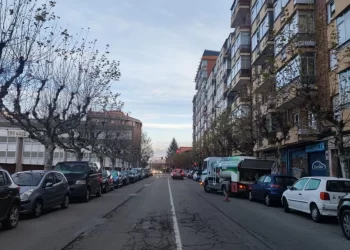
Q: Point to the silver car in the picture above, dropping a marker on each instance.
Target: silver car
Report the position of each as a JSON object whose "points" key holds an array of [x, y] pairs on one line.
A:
{"points": [[41, 189]]}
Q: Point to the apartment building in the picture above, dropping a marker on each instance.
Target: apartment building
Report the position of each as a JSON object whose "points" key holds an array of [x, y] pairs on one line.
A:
{"points": [[19, 152], [338, 22], [240, 76], [199, 102]]}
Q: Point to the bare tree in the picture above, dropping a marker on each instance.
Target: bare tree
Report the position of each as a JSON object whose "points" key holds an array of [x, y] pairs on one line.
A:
{"points": [[86, 135], [146, 149], [25, 26], [55, 94]]}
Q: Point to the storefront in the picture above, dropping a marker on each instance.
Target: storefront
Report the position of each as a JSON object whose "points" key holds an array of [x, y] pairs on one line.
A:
{"points": [[311, 157], [317, 159]]}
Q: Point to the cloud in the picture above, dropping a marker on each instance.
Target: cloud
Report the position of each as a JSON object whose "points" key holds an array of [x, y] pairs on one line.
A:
{"points": [[167, 126]]}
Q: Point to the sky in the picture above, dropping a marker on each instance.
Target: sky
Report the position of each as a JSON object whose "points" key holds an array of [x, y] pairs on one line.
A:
{"points": [[159, 44]]}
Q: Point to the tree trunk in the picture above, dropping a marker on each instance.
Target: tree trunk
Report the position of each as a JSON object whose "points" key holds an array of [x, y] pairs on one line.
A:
{"points": [[79, 155], [339, 145], [100, 158], [114, 162], [49, 150], [279, 158]]}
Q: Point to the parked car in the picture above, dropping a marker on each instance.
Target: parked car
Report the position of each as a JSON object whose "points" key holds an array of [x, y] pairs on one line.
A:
{"points": [[9, 201], [125, 178], [197, 176], [131, 176], [107, 181], [178, 174], [270, 188], [137, 173], [40, 190], [117, 178], [344, 215], [317, 196], [84, 178]]}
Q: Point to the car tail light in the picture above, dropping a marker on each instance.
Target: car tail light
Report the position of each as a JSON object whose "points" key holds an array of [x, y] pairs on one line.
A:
{"points": [[182, 173], [275, 186], [324, 196], [241, 186], [100, 179]]}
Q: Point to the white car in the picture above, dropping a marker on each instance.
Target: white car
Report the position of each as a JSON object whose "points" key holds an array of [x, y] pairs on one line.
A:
{"points": [[318, 196]]}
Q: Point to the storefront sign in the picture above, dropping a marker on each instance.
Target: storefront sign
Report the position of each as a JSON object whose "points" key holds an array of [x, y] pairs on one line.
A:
{"points": [[317, 165], [315, 147], [17, 133]]}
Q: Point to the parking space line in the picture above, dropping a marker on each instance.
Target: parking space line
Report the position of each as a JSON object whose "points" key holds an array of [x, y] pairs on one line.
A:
{"points": [[176, 227]]}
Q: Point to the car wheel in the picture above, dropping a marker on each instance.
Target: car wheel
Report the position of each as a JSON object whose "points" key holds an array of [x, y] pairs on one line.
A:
{"points": [[286, 206], [65, 202], [112, 188], [13, 217], [267, 200], [345, 223], [99, 193], [87, 195], [250, 196], [315, 213], [206, 187], [37, 209]]}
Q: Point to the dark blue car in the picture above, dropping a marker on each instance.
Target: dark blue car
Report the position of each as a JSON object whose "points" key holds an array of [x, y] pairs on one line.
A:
{"points": [[269, 188]]}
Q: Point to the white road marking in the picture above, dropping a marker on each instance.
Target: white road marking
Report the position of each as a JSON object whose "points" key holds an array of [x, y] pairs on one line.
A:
{"points": [[176, 227]]}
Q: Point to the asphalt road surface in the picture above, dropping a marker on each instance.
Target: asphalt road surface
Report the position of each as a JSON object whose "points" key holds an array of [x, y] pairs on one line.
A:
{"points": [[163, 214]]}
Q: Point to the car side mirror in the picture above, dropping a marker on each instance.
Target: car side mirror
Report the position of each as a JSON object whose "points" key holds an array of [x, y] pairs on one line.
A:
{"points": [[290, 187], [48, 185]]}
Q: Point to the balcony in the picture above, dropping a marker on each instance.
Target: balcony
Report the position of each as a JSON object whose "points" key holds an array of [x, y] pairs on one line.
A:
{"points": [[240, 12], [264, 50], [301, 134], [240, 80], [265, 145], [292, 95], [239, 101], [265, 80]]}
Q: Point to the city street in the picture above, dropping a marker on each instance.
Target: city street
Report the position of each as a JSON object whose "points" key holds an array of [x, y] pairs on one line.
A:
{"points": [[140, 216]]}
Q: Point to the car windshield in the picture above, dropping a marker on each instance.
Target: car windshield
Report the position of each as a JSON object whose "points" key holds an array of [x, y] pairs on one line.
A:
{"points": [[27, 178], [72, 167], [285, 180], [134, 171], [339, 186]]}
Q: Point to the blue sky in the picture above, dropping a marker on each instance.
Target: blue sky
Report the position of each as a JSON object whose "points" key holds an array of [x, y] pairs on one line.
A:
{"points": [[159, 44]]}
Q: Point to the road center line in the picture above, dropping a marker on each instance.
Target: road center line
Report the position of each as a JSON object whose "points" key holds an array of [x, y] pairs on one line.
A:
{"points": [[176, 227]]}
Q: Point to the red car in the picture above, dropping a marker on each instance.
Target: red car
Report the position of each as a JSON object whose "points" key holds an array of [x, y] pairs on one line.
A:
{"points": [[177, 174]]}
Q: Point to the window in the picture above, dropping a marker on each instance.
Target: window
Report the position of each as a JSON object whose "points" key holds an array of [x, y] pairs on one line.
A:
{"points": [[261, 31], [308, 66], [306, 23], [333, 59], [59, 178], [338, 186], [343, 28], [204, 63], [256, 9], [278, 7], [3, 179], [296, 119], [299, 185], [336, 108], [288, 32], [261, 179], [313, 184], [245, 62], [330, 10], [312, 121], [344, 87], [50, 178], [267, 179]]}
